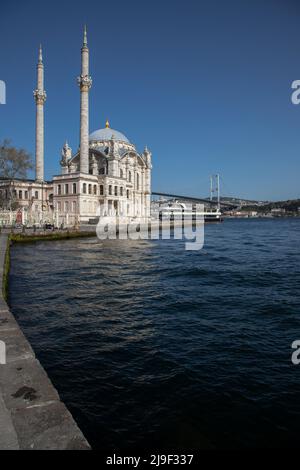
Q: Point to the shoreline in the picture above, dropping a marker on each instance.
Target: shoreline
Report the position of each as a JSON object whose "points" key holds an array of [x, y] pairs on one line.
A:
{"points": [[32, 415]]}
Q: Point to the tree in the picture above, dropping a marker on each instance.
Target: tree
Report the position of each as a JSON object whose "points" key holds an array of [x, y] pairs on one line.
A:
{"points": [[14, 163]]}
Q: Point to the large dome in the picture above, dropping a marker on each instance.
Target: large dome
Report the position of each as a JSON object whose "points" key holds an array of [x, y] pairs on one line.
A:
{"points": [[106, 134]]}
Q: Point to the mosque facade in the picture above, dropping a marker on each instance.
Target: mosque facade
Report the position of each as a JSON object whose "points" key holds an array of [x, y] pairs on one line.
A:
{"points": [[106, 177]]}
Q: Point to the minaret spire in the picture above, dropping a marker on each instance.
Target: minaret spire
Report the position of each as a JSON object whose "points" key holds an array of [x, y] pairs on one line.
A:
{"points": [[85, 36], [40, 98], [85, 83], [40, 61]]}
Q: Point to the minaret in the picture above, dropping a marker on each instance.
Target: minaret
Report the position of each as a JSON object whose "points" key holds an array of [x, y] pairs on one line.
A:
{"points": [[85, 83], [40, 98]]}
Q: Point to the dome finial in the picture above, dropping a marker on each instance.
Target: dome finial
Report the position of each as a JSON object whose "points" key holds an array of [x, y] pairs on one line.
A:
{"points": [[107, 124]]}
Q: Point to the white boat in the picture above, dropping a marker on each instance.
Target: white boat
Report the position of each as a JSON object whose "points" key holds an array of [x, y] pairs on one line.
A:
{"points": [[176, 211]]}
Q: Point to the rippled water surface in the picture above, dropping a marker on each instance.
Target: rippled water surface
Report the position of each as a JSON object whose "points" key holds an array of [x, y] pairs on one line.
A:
{"points": [[153, 346]]}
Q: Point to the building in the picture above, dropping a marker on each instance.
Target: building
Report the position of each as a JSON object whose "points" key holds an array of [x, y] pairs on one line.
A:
{"points": [[106, 177]]}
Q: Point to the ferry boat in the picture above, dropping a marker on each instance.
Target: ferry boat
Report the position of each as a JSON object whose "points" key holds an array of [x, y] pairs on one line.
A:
{"points": [[175, 211]]}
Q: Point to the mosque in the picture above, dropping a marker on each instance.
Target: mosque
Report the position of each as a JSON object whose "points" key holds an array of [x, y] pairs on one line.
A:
{"points": [[106, 177]]}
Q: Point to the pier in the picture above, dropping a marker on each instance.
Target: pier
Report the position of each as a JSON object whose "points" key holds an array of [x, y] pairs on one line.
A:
{"points": [[32, 416]]}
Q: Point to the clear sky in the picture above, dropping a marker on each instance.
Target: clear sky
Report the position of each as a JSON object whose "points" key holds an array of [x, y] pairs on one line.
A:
{"points": [[206, 84]]}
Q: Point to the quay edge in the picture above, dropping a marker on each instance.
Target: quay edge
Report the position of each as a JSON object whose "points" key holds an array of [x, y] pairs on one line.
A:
{"points": [[32, 416]]}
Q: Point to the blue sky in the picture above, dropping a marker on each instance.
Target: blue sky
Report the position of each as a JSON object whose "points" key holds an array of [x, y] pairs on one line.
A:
{"points": [[205, 84]]}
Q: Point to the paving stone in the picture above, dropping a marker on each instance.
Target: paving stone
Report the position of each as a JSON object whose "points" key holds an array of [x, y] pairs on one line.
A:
{"points": [[48, 427], [8, 435], [17, 346], [7, 321], [24, 383]]}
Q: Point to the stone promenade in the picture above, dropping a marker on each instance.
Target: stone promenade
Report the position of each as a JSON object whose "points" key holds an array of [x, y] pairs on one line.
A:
{"points": [[32, 415]]}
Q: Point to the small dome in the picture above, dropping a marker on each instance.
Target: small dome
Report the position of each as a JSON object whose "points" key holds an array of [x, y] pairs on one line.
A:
{"points": [[106, 134]]}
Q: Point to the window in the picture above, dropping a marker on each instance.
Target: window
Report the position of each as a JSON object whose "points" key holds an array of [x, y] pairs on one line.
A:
{"points": [[116, 190], [110, 190], [90, 189], [101, 190], [26, 194], [66, 206], [121, 173], [59, 189], [137, 181], [74, 188], [36, 195], [128, 194], [121, 191], [66, 189], [20, 194], [84, 188], [129, 176], [95, 189], [74, 206]]}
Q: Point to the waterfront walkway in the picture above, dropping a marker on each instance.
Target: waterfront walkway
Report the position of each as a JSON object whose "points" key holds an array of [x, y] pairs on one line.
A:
{"points": [[32, 415]]}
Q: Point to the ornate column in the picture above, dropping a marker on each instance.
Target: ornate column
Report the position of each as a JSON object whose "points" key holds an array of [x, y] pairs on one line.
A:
{"points": [[40, 98], [85, 83]]}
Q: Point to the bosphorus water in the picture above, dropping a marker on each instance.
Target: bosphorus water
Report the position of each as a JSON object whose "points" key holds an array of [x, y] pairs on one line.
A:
{"points": [[153, 346]]}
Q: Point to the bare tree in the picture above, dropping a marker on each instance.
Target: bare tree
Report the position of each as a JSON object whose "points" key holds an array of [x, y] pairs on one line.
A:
{"points": [[14, 163]]}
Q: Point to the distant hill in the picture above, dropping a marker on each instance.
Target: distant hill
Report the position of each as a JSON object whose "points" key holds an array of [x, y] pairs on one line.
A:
{"points": [[239, 201], [291, 205]]}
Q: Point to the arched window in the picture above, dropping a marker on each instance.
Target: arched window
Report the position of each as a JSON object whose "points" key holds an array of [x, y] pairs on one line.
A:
{"points": [[90, 189], [116, 190], [84, 188], [20, 194], [74, 188], [95, 189], [101, 190], [66, 189], [110, 190]]}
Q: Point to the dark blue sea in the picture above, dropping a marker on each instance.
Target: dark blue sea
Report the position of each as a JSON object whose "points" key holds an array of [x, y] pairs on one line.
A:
{"points": [[151, 346]]}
